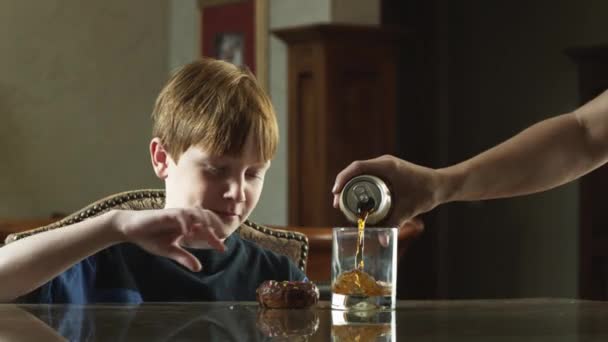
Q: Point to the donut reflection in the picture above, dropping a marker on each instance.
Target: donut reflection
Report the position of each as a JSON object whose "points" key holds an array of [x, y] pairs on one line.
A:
{"points": [[284, 324]]}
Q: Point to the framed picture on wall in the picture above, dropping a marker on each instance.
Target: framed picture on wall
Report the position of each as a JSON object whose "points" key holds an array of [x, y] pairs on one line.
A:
{"points": [[236, 31]]}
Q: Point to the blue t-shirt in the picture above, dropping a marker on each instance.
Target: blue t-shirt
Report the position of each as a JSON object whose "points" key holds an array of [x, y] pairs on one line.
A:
{"points": [[125, 273]]}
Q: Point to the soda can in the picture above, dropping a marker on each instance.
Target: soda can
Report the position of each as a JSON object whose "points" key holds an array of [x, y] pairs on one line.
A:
{"points": [[365, 193]]}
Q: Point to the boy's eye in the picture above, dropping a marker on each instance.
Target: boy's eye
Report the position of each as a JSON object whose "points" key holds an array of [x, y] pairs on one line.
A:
{"points": [[215, 170], [255, 174]]}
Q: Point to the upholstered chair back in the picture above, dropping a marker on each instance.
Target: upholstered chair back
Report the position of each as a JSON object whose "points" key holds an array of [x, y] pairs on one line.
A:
{"points": [[291, 244]]}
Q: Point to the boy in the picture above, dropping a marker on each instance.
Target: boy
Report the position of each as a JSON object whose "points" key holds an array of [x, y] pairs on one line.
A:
{"points": [[214, 135]]}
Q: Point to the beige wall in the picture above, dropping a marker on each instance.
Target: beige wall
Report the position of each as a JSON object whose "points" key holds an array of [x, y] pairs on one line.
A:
{"points": [[78, 82], [364, 12], [184, 32]]}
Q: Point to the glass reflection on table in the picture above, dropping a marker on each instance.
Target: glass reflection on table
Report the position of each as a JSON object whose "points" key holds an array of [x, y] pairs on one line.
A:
{"points": [[369, 325]]}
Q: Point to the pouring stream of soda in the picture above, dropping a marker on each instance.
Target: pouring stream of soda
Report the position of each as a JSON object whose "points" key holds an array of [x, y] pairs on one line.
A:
{"points": [[364, 208]]}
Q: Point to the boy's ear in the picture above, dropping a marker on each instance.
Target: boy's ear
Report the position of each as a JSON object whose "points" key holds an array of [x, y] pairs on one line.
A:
{"points": [[160, 158]]}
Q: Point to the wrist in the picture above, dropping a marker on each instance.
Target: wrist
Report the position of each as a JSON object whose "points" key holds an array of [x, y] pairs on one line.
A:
{"points": [[450, 184], [116, 229]]}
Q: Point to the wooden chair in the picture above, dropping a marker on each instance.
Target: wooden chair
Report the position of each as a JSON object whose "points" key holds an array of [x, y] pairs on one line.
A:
{"points": [[10, 226]]}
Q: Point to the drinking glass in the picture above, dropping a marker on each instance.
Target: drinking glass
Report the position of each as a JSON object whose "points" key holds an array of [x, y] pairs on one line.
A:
{"points": [[366, 280]]}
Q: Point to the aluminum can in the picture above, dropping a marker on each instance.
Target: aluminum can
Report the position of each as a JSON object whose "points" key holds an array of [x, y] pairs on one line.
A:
{"points": [[365, 193]]}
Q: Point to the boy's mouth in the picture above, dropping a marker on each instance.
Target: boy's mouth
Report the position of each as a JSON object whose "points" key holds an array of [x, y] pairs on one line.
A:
{"points": [[227, 214]]}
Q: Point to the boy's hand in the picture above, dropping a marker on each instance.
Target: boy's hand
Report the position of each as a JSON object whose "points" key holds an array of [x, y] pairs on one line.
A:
{"points": [[161, 231]]}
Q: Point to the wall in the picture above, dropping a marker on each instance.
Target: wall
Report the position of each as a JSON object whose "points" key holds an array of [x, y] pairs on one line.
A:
{"points": [[78, 83], [362, 12], [184, 32], [81, 78]]}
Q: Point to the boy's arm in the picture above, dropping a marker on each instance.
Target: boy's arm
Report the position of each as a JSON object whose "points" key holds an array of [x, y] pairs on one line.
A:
{"points": [[28, 263]]}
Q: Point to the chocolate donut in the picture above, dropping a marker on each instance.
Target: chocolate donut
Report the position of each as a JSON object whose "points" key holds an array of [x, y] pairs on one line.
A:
{"points": [[273, 294]]}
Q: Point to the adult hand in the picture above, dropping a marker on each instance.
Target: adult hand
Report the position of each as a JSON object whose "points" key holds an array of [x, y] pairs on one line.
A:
{"points": [[415, 189]]}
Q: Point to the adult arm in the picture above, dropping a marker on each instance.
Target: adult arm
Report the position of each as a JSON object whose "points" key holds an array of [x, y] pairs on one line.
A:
{"points": [[545, 155]]}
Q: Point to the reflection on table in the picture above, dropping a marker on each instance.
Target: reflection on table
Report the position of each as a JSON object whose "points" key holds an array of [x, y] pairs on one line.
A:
{"points": [[479, 320]]}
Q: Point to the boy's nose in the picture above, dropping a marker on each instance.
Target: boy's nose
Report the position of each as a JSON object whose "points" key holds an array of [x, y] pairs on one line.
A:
{"points": [[236, 191]]}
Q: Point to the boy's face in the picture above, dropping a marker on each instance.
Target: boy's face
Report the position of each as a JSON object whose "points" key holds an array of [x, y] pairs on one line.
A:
{"points": [[228, 186]]}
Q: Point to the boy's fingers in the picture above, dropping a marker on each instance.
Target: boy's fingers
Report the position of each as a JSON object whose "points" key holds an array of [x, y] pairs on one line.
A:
{"points": [[207, 218], [209, 235], [213, 220], [182, 221], [184, 258], [213, 240]]}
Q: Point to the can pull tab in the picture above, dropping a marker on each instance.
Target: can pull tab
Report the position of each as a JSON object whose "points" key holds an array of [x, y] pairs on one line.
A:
{"points": [[365, 195], [365, 203]]}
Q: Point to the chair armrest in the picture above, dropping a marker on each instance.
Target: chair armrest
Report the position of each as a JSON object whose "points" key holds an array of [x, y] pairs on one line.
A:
{"points": [[11, 226]]}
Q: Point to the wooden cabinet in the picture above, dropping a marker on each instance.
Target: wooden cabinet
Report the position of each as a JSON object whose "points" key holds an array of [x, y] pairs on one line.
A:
{"points": [[592, 63], [342, 107]]}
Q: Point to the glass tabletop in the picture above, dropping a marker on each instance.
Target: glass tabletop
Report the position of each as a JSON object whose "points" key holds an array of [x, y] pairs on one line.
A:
{"points": [[463, 320]]}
